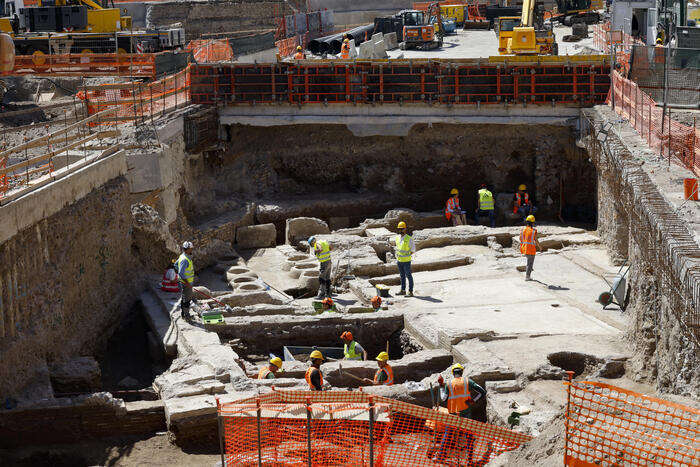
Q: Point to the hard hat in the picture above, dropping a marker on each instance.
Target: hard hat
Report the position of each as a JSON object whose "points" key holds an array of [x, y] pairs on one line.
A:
{"points": [[402, 225], [316, 354], [522, 187], [659, 41], [346, 40], [382, 357], [530, 218], [299, 48], [454, 191], [376, 301], [346, 335], [276, 361], [187, 245], [457, 366], [173, 260], [311, 240]]}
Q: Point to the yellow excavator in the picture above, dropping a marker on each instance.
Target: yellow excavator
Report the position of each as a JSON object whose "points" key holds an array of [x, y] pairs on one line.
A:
{"points": [[527, 35]]}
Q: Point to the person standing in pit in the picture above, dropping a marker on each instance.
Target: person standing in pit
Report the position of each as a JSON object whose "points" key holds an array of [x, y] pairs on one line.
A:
{"points": [[300, 53], [270, 371], [529, 244], [521, 203], [352, 349], [185, 270], [385, 374], [313, 376], [485, 206], [404, 249], [322, 251]]}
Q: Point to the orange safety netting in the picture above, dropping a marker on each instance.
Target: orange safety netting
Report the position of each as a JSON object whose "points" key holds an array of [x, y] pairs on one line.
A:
{"points": [[287, 47], [607, 425], [138, 100], [210, 50], [350, 428], [666, 135]]}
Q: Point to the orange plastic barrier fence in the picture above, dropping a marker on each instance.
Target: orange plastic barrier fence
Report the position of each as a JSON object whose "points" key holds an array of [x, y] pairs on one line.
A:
{"points": [[210, 50], [287, 47], [680, 142], [604, 37], [138, 100], [607, 425], [352, 429], [139, 65]]}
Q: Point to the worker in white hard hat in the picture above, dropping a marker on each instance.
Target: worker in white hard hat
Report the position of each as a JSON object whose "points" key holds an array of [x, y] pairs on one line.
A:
{"points": [[185, 270], [322, 250], [271, 369], [385, 374], [405, 247], [529, 244], [522, 205], [453, 211], [460, 394]]}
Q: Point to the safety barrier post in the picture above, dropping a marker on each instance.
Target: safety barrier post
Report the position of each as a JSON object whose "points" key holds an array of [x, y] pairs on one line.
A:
{"points": [[308, 430], [570, 375], [221, 431], [259, 413], [371, 431]]}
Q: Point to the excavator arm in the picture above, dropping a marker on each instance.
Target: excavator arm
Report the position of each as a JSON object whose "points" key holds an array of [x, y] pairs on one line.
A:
{"points": [[528, 13]]}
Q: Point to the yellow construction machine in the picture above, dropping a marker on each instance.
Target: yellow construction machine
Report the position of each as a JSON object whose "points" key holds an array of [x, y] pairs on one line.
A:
{"points": [[527, 35], [78, 26]]}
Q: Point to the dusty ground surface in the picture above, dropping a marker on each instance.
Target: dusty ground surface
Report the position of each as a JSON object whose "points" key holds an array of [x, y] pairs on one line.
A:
{"points": [[126, 452]]}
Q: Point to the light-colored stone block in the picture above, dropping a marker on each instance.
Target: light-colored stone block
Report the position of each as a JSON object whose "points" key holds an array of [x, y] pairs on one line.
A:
{"points": [[256, 236]]}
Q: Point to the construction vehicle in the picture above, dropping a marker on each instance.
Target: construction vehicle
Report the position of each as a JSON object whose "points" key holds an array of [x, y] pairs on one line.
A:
{"points": [[79, 26], [425, 36], [456, 12], [528, 36], [397, 22], [578, 11]]}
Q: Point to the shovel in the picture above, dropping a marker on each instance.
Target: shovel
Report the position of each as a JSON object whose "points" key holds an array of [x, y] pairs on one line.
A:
{"points": [[228, 308], [340, 365]]}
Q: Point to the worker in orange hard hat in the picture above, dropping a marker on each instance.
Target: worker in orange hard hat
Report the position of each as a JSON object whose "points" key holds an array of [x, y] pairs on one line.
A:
{"points": [[327, 303], [345, 49], [522, 204], [453, 211], [385, 374], [300, 53], [352, 349], [405, 247], [376, 302], [529, 244]]}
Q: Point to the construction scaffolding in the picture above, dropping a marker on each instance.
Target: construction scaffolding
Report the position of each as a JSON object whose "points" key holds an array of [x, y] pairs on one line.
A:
{"points": [[353, 429]]}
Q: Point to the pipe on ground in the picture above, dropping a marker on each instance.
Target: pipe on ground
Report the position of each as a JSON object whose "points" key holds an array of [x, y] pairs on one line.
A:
{"points": [[332, 44]]}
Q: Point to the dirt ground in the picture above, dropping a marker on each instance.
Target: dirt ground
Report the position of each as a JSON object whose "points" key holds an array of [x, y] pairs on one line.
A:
{"points": [[128, 452]]}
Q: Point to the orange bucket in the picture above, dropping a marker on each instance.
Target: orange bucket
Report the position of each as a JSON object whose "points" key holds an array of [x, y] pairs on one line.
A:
{"points": [[690, 188]]}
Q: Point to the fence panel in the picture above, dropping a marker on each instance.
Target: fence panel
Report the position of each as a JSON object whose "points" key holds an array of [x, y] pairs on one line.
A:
{"points": [[607, 425], [354, 429]]}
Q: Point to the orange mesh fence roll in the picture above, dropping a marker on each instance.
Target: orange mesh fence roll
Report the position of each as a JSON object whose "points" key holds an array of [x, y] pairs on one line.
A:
{"points": [[341, 428], [678, 141], [210, 50], [139, 100], [607, 425]]}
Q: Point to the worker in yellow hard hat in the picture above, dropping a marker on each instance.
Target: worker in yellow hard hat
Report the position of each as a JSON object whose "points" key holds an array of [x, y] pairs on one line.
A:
{"points": [[271, 369], [460, 394], [522, 205], [453, 211], [300, 53], [385, 374], [345, 49], [313, 375], [405, 247], [529, 244]]}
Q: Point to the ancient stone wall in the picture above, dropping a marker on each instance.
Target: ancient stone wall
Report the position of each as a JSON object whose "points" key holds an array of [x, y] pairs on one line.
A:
{"points": [[638, 224], [283, 163], [64, 283], [216, 16]]}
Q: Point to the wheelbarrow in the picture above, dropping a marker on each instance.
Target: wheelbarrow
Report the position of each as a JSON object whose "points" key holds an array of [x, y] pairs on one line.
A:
{"points": [[617, 292]]}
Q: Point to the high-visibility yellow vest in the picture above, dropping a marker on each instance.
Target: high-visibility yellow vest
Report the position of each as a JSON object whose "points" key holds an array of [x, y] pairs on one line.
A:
{"points": [[325, 252], [349, 352], [485, 200], [188, 276], [403, 248]]}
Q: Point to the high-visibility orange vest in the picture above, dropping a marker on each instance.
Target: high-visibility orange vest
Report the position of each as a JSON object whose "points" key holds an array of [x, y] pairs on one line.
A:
{"points": [[459, 397], [452, 205], [389, 373], [298, 56], [345, 50], [307, 377], [264, 371], [527, 241], [519, 201]]}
